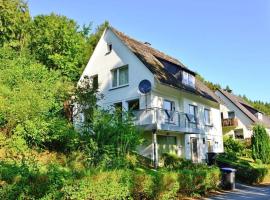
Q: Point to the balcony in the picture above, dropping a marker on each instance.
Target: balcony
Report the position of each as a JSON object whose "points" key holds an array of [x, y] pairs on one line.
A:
{"points": [[229, 122], [160, 119]]}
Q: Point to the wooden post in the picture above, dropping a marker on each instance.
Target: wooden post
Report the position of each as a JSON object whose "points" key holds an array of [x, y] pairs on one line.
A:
{"points": [[154, 131]]}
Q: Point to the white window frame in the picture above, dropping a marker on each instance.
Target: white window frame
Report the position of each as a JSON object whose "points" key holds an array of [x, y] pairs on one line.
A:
{"points": [[188, 79], [118, 75], [209, 123]]}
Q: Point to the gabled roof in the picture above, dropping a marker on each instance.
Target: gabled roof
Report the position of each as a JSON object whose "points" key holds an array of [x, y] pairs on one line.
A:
{"points": [[246, 108], [152, 59]]}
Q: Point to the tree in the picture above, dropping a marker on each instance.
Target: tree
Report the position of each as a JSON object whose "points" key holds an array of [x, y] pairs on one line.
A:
{"points": [[57, 42], [260, 143], [14, 23], [31, 100]]}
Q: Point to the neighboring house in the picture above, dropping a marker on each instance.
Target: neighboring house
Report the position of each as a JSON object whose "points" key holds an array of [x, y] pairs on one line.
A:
{"points": [[179, 115], [238, 117]]}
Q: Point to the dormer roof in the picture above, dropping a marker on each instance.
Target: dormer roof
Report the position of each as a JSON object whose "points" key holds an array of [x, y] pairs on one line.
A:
{"points": [[154, 59]]}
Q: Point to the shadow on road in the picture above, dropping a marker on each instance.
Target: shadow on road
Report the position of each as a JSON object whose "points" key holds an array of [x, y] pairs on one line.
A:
{"points": [[245, 192]]}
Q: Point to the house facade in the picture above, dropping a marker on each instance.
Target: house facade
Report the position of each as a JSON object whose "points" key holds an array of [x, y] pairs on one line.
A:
{"points": [[238, 117], [178, 114]]}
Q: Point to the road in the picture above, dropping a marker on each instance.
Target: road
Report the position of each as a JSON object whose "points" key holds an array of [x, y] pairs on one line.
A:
{"points": [[244, 192]]}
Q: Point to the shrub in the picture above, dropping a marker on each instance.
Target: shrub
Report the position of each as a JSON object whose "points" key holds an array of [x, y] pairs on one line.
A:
{"points": [[233, 146], [103, 185], [143, 185], [247, 172], [167, 186], [170, 160], [199, 181], [260, 144]]}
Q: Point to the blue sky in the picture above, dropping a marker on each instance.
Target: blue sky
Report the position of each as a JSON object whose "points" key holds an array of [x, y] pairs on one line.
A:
{"points": [[226, 41]]}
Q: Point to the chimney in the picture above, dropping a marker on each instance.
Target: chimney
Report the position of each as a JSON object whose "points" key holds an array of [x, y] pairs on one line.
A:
{"points": [[147, 43], [259, 115]]}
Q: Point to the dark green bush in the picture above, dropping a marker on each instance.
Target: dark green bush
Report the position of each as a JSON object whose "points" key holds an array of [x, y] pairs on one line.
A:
{"points": [[260, 143], [233, 146], [246, 172]]}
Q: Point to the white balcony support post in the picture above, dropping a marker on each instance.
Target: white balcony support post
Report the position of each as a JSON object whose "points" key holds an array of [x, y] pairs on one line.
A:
{"points": [[155, 148]]}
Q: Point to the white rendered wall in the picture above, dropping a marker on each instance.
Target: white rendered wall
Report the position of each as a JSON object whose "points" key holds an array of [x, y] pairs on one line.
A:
{"points": [[243, 121]]}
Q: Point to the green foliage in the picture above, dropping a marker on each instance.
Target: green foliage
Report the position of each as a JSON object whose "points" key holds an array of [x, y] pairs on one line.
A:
{"points": [[14, 23], [260, 144], [209, 84], [199, 180], [104, 185], [93, 39], [232, 146], [143, 185], [170, 160], [31, 99], [57, 43], [168, 187], [247, 172]]}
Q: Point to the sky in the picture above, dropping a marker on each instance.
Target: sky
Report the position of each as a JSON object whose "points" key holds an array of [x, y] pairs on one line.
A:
{"points": [[226, 41]]}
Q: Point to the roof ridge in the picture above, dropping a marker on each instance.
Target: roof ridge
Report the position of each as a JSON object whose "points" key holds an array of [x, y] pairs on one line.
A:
{"points": [[177, 61]]}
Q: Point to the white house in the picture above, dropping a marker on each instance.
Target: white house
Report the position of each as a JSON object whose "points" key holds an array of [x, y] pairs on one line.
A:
{"points": [[179, 115], [238, 117]]}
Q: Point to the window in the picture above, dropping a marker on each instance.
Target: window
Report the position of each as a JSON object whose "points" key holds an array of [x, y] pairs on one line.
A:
{"points": [[134, 105], [169, 108], [207, 119], [120, 76], [193, 110], [231, 115], [95, 82], [109, 48], [239, 134], [168, 105], [188, 79]]}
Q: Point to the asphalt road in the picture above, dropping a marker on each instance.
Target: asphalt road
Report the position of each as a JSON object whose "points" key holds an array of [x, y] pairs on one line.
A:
{"points": [[244, 192]]}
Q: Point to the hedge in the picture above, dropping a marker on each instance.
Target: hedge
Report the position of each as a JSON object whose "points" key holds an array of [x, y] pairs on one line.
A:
{"points": [[249, 173]]}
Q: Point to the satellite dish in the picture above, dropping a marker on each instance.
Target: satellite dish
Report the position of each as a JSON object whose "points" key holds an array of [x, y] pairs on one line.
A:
{"points": [[145, 86]]}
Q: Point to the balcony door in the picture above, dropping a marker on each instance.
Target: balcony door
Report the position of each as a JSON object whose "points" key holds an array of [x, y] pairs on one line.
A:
{"points": [[194, 149], [169, 108], [166, 144]]}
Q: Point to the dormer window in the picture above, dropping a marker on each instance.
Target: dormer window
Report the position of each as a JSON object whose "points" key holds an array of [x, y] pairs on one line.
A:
{"points": [[109, 48], [188, 79]]}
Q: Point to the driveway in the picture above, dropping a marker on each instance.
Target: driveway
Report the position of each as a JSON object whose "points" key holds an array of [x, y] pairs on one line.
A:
{"points": [[244, 192]]}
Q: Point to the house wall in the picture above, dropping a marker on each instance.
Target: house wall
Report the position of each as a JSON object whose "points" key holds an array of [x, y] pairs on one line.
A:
{"points": [[102, 63], [243, 121], [182, 101]]}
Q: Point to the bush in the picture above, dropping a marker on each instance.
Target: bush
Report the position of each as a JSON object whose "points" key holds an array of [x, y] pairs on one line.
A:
{"points": [[199, 181], [103, 185], [170, 160], [247, 172], [260, 143], [167, 186], [143, 185], [233, 146]]}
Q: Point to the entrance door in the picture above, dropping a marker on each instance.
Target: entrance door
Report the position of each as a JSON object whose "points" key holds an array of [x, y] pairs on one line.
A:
{"points": [[194, 149]]}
